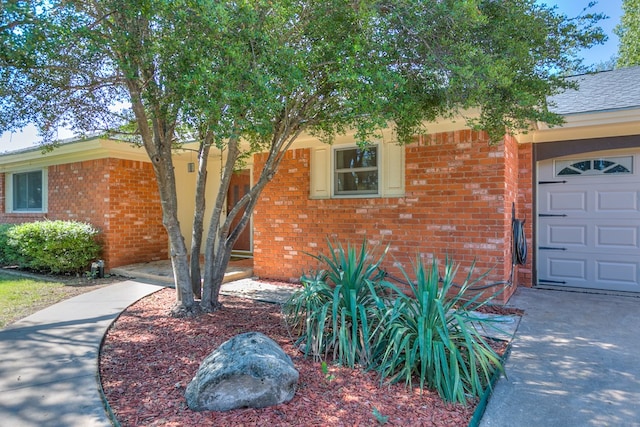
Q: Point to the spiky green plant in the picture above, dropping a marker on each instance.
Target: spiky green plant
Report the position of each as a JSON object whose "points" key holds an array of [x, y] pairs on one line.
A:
{"points": [[428, 335], [336, 312]]}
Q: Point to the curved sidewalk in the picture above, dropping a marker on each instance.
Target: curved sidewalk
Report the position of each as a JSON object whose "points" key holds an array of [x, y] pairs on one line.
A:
{"points": [[49, 360]]}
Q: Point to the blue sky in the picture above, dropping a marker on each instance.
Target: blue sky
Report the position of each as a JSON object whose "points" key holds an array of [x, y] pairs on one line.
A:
{"points": [[612, 8]]}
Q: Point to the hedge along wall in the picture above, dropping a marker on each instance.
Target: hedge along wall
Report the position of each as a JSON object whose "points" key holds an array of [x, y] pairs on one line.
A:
{"points": [[457, 202], [119, 197]]}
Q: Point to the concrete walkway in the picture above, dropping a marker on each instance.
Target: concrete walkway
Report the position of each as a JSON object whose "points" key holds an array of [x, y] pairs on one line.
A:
{"points": [[49, 361], [575, 361]]}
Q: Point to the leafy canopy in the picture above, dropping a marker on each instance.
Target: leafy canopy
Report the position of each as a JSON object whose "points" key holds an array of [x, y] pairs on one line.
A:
{"points": [[629, 32], [235, 67]]}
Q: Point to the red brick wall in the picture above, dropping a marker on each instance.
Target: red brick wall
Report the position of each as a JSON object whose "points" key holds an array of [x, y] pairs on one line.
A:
{"points": [[136, 233], [457, 203], [525, 209], [119, 197], [77, 192]]}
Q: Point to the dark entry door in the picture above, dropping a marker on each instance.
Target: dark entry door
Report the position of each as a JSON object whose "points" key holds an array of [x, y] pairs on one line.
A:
{"points": [[239, 186]]}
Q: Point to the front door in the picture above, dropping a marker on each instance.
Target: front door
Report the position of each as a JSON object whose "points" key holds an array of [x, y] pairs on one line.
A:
{"points": [[239, 186]]}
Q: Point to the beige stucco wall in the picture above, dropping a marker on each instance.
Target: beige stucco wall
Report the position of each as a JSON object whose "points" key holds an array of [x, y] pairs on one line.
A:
{"points": [[186, 184]]}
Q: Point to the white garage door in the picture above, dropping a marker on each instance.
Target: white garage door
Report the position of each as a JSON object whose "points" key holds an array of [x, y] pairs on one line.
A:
{"points": [[589, 222]]}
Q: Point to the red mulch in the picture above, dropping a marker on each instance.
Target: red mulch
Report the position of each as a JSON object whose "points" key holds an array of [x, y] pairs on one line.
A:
{"points": [[148, 358]]}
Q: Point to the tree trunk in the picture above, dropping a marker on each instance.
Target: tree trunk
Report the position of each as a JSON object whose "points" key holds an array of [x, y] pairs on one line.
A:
{"points": [[198, 216], [216, 235], [157, 142], [220, 239], [185, 304]]}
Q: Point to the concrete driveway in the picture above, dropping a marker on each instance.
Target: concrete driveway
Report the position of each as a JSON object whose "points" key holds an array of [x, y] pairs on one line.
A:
{"points": [[575, 361]]}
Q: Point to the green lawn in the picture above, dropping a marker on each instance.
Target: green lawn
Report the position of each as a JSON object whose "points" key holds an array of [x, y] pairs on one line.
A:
{"points": [[20, 297]]}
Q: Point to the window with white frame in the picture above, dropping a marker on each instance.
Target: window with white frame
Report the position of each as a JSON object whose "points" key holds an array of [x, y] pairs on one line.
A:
{"points": [[27, 191], [346, 170], [355, 171]]}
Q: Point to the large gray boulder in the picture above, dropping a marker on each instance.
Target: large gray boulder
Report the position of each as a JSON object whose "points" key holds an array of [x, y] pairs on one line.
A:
{"points": [[250, 370]]}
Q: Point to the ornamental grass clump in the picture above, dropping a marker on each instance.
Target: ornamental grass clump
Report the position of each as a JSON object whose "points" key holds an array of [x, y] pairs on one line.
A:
{"points": [[429, 334], [338, 309]]}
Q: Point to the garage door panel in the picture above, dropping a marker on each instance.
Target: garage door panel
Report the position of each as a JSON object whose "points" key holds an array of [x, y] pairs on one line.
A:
{"points": [[560, 234], [588, 235], [616, 201], [617, 272], [566, 268], [607, 273], [563, 201], [617, 237], [589, 224]]}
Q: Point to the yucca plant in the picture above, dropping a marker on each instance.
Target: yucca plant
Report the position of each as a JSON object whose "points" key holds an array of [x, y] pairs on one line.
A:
{"points": [[427, 334], [336, 312], [306, 313]]}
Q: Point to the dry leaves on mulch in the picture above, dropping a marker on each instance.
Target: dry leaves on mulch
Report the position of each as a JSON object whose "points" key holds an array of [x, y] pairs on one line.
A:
{"points": [[148, 358]]}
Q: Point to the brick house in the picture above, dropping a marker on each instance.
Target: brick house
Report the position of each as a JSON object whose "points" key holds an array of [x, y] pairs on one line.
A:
{"points": [[107, 183], [101, 182], [448, 193]]}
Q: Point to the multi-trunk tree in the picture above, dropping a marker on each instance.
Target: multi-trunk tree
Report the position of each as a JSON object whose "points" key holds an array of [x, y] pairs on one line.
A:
{"points": [[251, 75]]}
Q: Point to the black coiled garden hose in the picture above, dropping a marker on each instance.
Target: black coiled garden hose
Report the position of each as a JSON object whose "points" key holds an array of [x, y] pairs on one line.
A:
{"points": [[519, 253]]}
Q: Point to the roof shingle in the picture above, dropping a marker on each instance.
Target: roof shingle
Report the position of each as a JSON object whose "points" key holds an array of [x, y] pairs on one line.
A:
{"points": [[605, 91]]}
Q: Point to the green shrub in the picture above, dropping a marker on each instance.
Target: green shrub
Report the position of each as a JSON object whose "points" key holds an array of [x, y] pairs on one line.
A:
{"points": [[429, 335], [337, 311], [8, 253], [55, 246]]}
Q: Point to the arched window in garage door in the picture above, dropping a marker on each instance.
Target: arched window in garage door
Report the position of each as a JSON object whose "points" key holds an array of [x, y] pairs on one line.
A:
{"points": [[610, 166]]}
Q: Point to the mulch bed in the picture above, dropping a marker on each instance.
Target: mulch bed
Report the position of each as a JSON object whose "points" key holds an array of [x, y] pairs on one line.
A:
{"points": [[148, 359]]}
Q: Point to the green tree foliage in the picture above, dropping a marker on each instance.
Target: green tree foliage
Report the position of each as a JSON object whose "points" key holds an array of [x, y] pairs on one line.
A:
{"points": [[629, 32], [251, 75]]}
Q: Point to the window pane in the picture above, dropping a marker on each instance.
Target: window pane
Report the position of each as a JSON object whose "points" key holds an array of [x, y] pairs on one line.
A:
{"points": [[27, 191], [35, 190], [356, 158], [597, 166], [601, 165], [569, 171], [583, 166], [365, 182], [617, 169]]}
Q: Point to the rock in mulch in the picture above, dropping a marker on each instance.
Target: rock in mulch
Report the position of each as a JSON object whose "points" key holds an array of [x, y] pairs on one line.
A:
{"points": [[248, 371]]}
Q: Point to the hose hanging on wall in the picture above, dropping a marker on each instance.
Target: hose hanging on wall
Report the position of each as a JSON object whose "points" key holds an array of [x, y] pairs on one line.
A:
{"points": [[519, 252]]}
